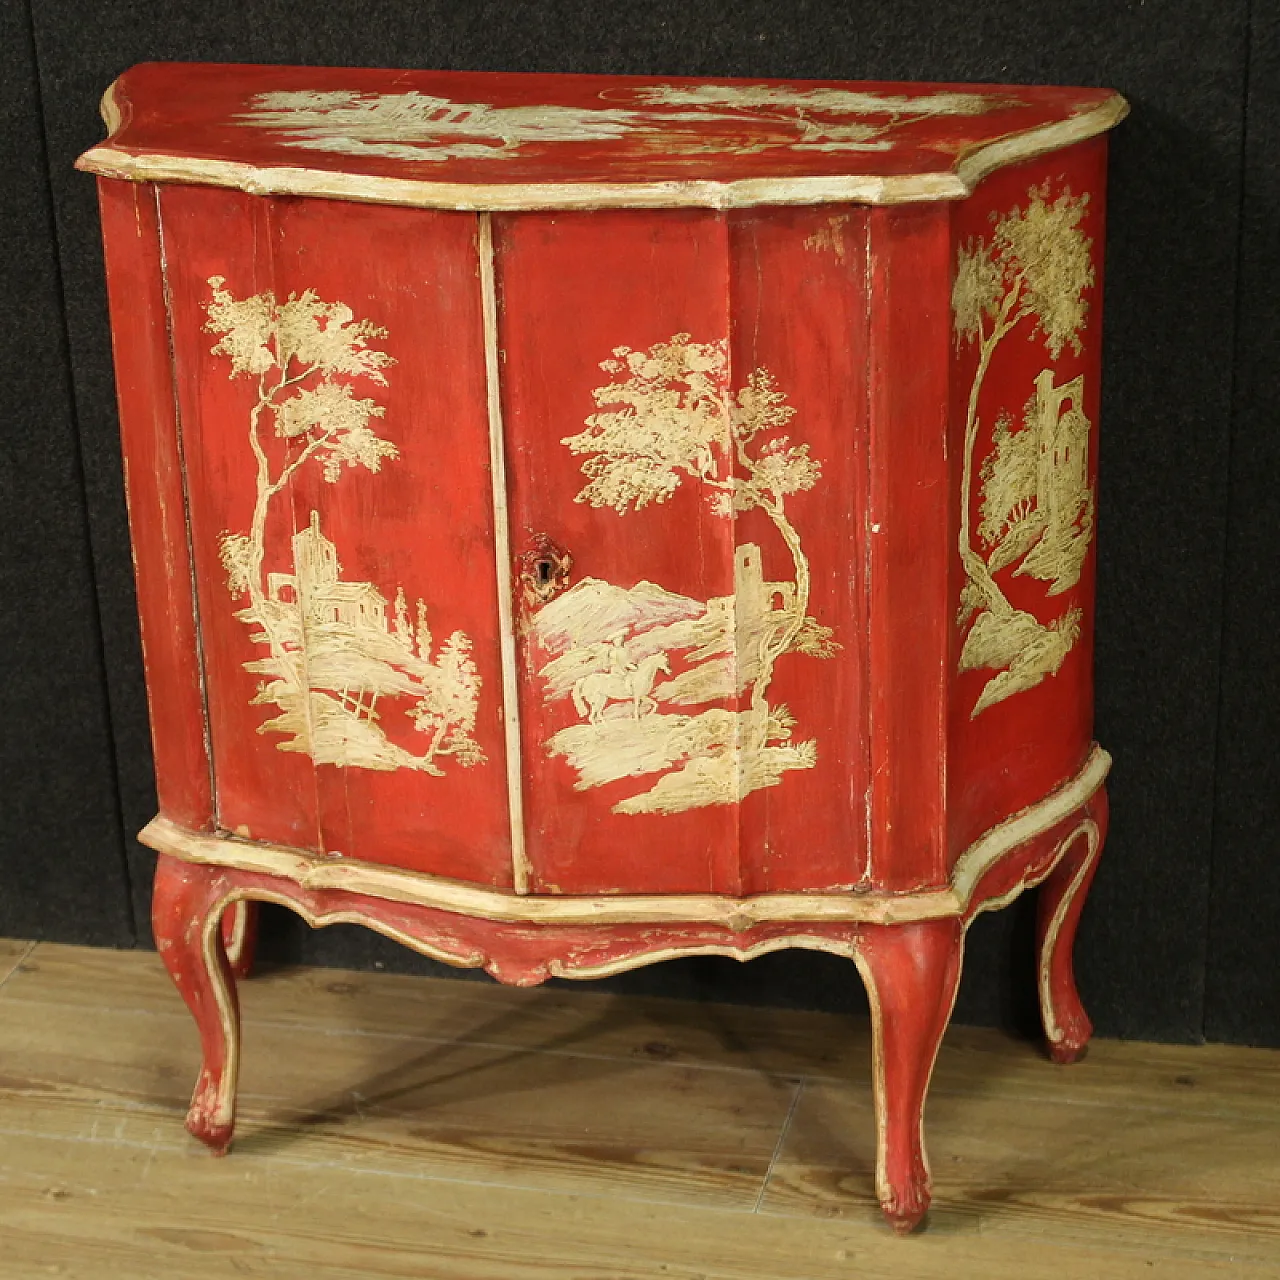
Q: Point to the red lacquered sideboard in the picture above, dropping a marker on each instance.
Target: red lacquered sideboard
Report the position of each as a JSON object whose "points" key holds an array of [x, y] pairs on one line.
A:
{"points": [[581, 521]]}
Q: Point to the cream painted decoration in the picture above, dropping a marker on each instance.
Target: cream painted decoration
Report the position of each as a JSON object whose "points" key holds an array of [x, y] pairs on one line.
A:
{"points": [[337, 662], [752, 119], [631, 659], [1036, 501]]}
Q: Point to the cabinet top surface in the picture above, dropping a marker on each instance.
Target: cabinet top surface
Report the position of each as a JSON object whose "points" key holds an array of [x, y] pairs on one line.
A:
{"points": [[484, 140]]}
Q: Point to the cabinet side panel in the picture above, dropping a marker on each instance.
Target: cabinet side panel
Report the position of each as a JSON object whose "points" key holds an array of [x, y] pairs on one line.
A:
{"points": [[613, 330], [149, 430], [799, 347], [909, 543], [1027, 307]]}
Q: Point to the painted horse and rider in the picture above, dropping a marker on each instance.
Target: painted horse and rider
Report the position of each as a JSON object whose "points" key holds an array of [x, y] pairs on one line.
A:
{"points": [[623, 681]]}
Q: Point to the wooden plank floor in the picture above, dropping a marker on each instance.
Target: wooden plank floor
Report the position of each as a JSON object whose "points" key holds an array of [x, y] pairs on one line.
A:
{"points": [[409, 1127]]}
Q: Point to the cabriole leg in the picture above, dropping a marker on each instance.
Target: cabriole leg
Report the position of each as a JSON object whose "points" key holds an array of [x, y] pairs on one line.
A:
{"points": [[1066, 1025], [911, 972], [188, 933]]}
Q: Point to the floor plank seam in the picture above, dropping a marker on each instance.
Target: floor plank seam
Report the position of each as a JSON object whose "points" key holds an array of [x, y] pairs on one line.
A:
{"points": [[250, 1022], [1170, 1250], [782, 1138], [17, 965], [340, 1166], [1081, 1238], [1177, 1105], [1051, 1097]]}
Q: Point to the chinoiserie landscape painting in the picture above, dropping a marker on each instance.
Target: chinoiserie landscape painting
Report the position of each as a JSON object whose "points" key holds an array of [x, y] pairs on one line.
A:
{"points": [[356, 680], [1036, 503], [667, 689], [673, 119]]}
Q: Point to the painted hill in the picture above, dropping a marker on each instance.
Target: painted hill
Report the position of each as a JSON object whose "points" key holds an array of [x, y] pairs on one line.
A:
{"points": [[593, 611]]}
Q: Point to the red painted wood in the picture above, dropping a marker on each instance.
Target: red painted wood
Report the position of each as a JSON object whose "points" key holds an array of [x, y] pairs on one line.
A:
{"points": [[1019, 749], [149, 433], [1029, 866], [423, 523], [414, 277], [183, 901], [203, 110], [909, 524], [788, 391], [190, 899], [626, 279], [1061, 901], [785, 291], [912, 973], [799, 301], [260, 791]]}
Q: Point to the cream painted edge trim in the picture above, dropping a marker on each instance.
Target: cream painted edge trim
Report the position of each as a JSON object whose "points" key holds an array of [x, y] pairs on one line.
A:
{"points": [[238, 934], [320, 920], [556, 968], [395, 885], [990, 847], [1053, 1029], [520, 868], [109, 110], [222, 983], [853, 188]]}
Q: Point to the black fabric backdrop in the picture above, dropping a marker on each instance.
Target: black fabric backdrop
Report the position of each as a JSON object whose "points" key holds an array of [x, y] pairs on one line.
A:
{"points": [[1180, 935]]}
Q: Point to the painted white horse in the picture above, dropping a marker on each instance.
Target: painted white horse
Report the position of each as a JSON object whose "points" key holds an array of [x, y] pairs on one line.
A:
{"points": [[594, 692]]}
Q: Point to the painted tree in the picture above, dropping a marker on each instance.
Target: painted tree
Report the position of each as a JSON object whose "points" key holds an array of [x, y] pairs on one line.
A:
{"points": [[1043, 525], [1033, 270], [449, 711], [302, 354], [669, 416], [306, 357]]}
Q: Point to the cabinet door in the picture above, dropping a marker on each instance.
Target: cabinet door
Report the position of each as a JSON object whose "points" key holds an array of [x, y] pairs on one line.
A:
{"points": [[684, 404], [331, 388]]}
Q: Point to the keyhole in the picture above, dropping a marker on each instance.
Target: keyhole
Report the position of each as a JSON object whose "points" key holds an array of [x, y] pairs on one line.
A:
{"points": [[544, 569]]}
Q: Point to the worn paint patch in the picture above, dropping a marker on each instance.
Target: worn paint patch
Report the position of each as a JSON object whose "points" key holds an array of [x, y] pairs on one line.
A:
{"points": [[829, 238]]}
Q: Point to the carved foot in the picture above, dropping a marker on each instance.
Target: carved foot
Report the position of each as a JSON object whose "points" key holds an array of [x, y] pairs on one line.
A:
{"points": [[911, 972], [1067, 1027], [189, 935], [905, 1208], [209, 1117]]}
